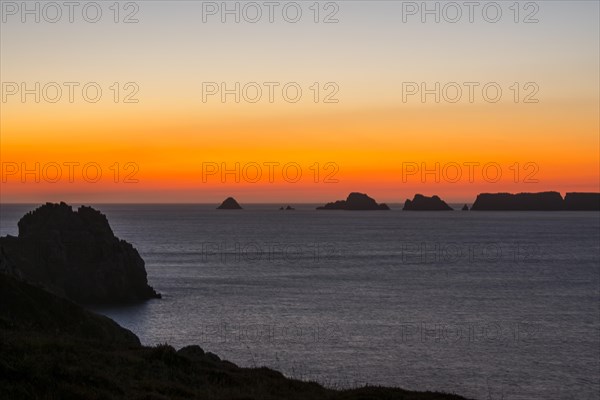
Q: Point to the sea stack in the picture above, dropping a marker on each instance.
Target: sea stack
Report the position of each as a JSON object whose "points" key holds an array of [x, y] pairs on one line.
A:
{"points": [[465, 208], [75, 254], [424, 203], [229, 204], [544, 201], [582, 202], [355, 202]]}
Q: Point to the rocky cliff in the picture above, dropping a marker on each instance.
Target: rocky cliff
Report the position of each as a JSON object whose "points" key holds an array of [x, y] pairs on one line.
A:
{"points": [[544, 201], [75, 254], [582, 201]]}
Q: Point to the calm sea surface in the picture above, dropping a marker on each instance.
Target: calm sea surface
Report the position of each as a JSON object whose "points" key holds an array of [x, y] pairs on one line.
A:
{"points": [[487, 305]]}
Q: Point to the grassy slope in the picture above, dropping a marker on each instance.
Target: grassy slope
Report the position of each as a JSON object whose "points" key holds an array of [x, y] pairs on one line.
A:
{"points": [[51, 348]]}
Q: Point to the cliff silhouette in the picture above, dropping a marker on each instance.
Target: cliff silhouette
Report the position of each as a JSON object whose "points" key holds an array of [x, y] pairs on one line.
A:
{"points": [[543, 201], [355, 202], [75, 254], [582, 201]]}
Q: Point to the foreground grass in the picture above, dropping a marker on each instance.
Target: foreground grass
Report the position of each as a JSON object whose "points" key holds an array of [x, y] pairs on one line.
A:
{"points": [[51, 348]]}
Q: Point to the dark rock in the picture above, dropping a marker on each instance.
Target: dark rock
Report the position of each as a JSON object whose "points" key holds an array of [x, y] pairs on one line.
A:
{"points": [[544, 201], [355, 202], [582, 201], [289, 208], [465, 208], [7, 266], [337, 205], [192, 352], [75, 254], [423, 203], [212, 357], [229, 204]]}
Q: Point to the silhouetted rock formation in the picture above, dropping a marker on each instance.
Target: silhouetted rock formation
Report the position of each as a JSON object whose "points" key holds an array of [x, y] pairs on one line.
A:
{"points": [[465, 208], [582, 201], [355, 202], [229, 204], [7, 266], [424, 203], [289, 208], [75, 254], [545, 201]]}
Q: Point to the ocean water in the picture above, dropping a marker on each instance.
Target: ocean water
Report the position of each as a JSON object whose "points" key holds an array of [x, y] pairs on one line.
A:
{"points": [[487, 305]]}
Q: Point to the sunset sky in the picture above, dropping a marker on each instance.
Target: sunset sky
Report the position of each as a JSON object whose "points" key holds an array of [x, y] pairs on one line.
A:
{"points": [[368, 140]]}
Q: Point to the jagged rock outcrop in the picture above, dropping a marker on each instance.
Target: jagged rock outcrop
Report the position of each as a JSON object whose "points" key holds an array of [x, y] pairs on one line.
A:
{"points": [[355, 202], [424, 203], [75, 254], [465, 208], [544, 201], [229, 204], [582, 202]]}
